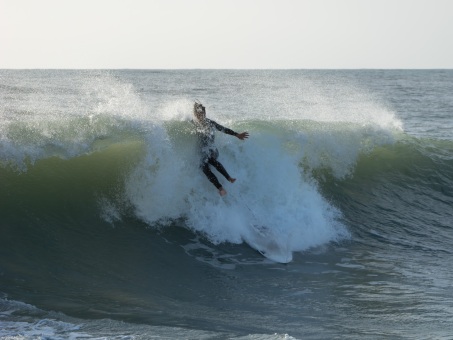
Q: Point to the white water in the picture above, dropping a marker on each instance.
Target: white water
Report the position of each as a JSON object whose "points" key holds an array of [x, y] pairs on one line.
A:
{"points": [[272, 188]]}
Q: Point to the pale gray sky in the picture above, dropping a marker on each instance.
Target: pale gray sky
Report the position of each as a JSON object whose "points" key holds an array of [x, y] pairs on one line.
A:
{"points": [[167, 34]]}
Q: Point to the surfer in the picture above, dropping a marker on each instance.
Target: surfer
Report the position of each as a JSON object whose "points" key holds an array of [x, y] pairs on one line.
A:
{"points": [[209, 153]]}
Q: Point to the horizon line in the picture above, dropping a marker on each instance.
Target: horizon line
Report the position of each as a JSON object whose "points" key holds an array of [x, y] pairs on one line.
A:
{"points": [[228, 69]]}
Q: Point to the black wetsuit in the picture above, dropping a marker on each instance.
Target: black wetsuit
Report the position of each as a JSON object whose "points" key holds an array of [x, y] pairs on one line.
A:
{"points": [[209, 153]]}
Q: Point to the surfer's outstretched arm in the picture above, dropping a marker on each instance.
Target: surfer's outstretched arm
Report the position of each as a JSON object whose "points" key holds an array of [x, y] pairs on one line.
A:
{"points": [[241, 136]]}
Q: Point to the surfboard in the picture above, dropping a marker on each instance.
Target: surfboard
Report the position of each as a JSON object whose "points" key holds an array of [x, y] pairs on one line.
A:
{"points": [[262, 239]]}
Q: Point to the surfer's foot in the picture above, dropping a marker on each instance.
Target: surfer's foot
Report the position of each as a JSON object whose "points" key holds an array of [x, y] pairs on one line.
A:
{"points": [[222, 192], [232, 180]]}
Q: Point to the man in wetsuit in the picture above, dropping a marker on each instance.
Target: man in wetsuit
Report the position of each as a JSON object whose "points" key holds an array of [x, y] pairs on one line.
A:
{"points": [[209, 153]]}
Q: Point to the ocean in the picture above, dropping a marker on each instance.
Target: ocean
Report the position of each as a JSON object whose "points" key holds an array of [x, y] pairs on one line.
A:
{"points": [[339, 226]]}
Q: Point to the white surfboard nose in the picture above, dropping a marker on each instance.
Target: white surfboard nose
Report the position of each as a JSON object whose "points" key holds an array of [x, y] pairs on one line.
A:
{"points": [[262, 238]]}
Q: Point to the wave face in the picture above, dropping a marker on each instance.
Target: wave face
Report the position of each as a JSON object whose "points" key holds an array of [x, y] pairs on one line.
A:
{"points": [[402, 188], [153, 175], [292, 177], [101, 190]]}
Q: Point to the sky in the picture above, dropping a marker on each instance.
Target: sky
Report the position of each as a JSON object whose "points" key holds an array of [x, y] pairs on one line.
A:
{"points": [[226, 34]]}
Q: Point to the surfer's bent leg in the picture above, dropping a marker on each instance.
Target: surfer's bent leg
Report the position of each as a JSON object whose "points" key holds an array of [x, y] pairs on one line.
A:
{"points": [[216, 164], [207, 171]]}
